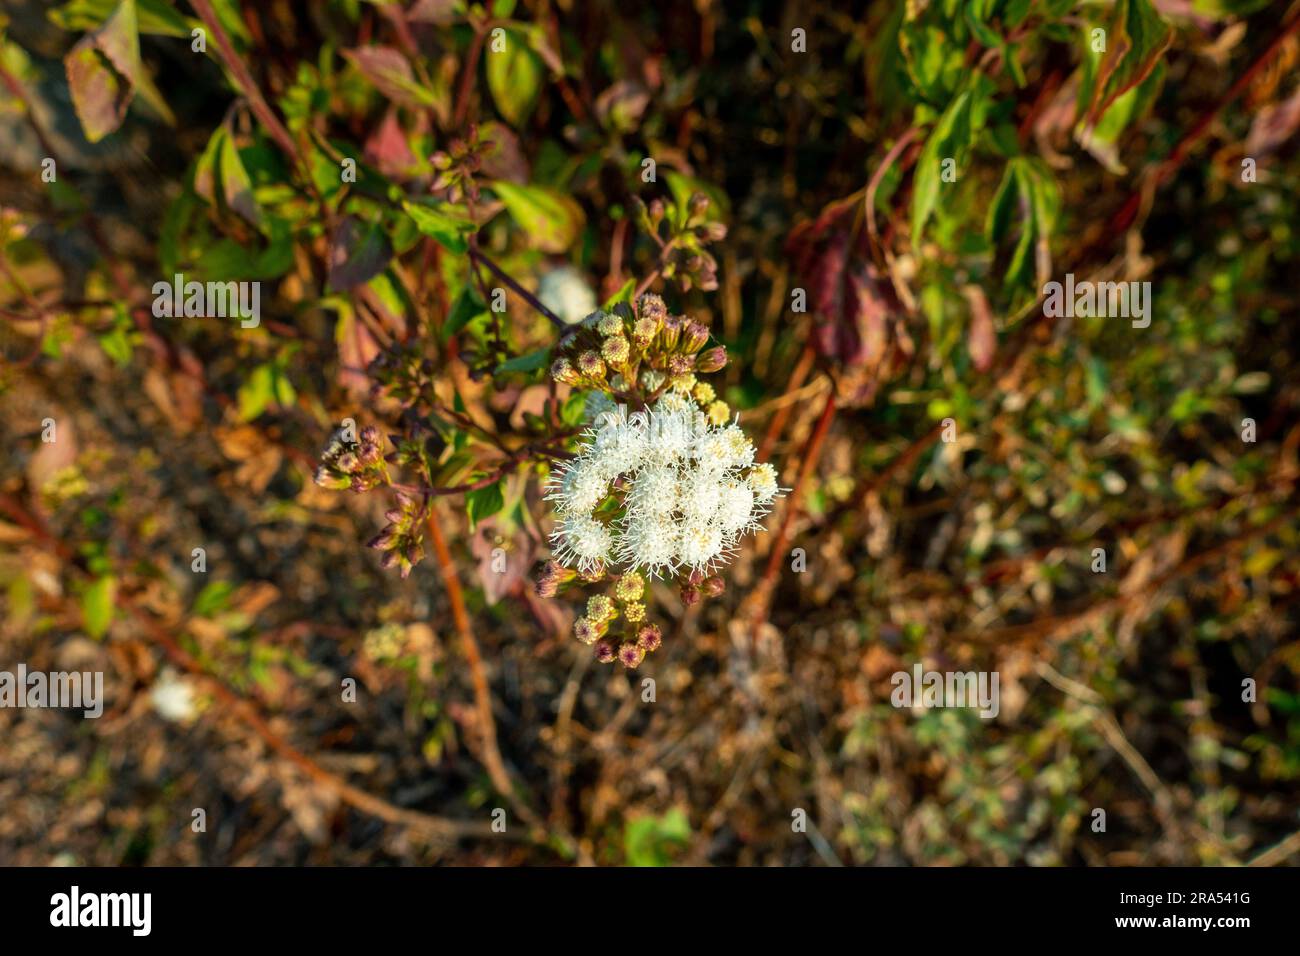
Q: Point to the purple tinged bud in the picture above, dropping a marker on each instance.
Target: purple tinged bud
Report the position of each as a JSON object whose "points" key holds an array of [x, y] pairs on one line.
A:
{"points": [[385, 540], [615, 350], [605, 652], [585, 630], [546, 585], [630, 655], [651, 306], [672, 331], [591, 366], [562, 371], [650, 638], [644, 331], [694, 336], [712, 360], [680, 365]]}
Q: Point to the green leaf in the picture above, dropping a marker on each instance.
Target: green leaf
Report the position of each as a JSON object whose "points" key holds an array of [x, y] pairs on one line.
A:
{"points": [[205, 167], [652, 841], [1003, 206], [155, 17], [949, 140], [447, 230], [1029, 188], [526, 363], [267, 385], [464, 310], [1137, 38], [514, 75], [933, 58], [388, 70], [118, 341], [483, 503], [574, 409], [97, 605], [551, 219], [236, 187], [1102, 139], [683, 187], [622, 295], [213, 599]]}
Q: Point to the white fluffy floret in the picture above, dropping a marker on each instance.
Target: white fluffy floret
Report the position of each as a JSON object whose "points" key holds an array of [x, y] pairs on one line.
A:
{"points": [[685, 491], [735, 511], [650, 542], [582, 540]]}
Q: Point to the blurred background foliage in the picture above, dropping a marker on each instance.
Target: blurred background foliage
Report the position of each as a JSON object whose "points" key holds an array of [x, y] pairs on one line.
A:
{"points": [[381, 168]]}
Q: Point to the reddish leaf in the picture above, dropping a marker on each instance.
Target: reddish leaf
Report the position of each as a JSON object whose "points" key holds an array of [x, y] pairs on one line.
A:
{"points": [[100, 92], [388, 70], [982, 338], [358, 253], [388, 150], [1273, 126], [105, 72]]}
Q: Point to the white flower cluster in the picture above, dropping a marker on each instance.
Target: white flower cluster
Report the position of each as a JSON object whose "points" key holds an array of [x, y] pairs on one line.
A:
{"points": [[688, 490]]}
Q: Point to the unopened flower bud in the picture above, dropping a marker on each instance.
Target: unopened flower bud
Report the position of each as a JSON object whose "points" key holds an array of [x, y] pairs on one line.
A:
{"points": [[591, 366], [562, 371], [711, 360], [650, 637], [385, 540], [630, 587], [586, 630], [600, 608], [672, 331], [605, 652], [327, 477], [651, 306], [694, 336], [644, 331], [615, 350], [680, 365]]}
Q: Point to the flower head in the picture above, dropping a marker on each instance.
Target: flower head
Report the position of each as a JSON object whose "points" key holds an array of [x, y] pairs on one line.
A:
{"points": [[582, 540], [687, 488], [631, 655], [586, 630], [650, 637]]}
